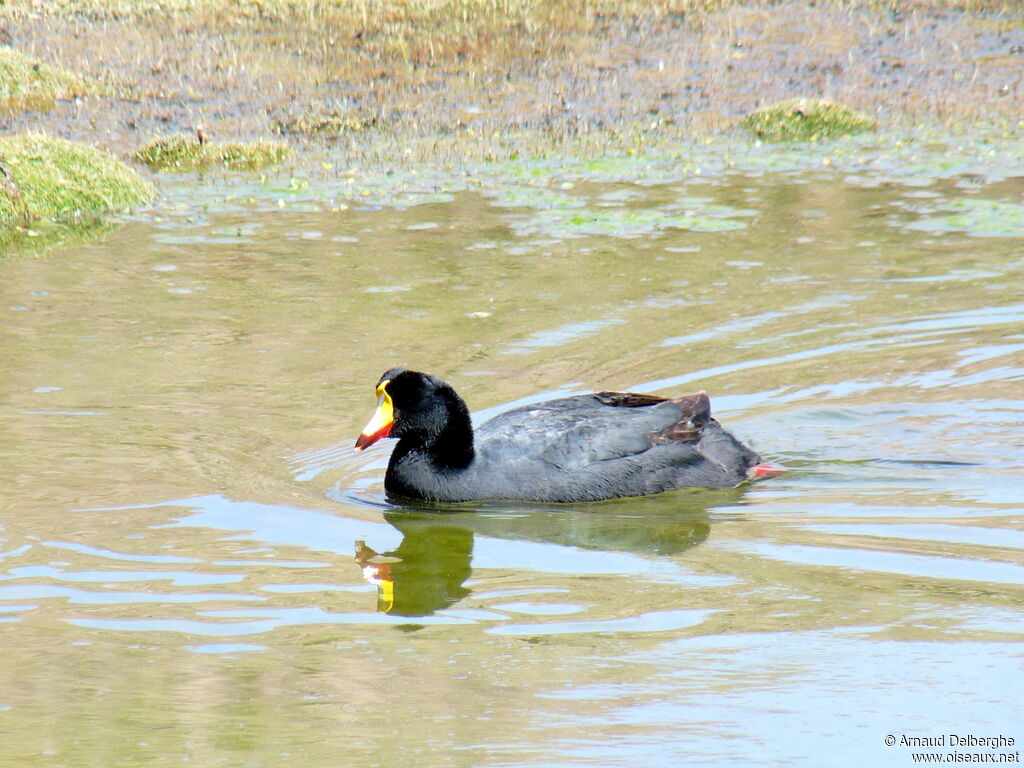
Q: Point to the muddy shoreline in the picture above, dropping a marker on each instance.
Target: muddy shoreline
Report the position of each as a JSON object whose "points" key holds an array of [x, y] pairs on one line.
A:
{"points": [[389, 92]]}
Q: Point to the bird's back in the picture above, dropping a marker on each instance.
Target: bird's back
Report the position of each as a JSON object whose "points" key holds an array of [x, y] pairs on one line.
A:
{"points": [[604, 445]]}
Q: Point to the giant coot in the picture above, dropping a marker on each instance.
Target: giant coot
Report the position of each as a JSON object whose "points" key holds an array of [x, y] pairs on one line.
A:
{"points": [[605, 445]]}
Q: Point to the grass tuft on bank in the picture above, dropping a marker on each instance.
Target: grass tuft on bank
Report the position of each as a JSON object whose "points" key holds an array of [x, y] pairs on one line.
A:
{"points": [[56, 191], [44, 177], [28, 85], [183, 153], [805, 120]]}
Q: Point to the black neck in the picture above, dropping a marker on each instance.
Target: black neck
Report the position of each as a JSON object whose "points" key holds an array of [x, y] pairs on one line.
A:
{"points": [[453, 447], [448, 441]]}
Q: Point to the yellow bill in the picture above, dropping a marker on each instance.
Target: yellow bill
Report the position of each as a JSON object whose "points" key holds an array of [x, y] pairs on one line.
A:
{"points": [[381, 422]]}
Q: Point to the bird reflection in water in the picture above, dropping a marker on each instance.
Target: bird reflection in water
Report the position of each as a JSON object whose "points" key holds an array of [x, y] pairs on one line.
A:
{"points": [[428, 570], [425, 573]]}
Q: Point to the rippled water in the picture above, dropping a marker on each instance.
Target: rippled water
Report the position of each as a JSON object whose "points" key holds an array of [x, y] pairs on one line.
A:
{"points": [[195, 567]]}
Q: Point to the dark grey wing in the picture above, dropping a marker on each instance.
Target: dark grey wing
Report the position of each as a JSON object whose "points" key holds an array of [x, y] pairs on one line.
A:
{"points": [[576, 432]]}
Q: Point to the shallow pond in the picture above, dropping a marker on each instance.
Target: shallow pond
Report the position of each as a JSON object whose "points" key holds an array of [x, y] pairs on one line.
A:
{"points": [[195, 567]]}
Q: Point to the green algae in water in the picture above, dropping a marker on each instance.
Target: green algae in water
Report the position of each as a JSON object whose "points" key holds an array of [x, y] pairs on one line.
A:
{"points": [[976, 217], [186, 153], [624, 222], [54, 179], [30, 85], [806, 120], [534, 196]]}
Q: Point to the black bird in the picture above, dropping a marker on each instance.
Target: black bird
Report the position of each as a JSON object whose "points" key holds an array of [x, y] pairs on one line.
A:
{"points": [[606, 445]]}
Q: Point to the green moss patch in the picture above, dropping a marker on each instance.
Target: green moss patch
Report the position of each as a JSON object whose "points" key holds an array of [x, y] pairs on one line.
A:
{"points": [[806, 120], [185, 153], [27, 85], [326, 124], [42, 177]]}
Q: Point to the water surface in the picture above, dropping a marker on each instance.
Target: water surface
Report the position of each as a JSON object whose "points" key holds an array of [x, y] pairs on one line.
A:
{"points": [[195, 567]]}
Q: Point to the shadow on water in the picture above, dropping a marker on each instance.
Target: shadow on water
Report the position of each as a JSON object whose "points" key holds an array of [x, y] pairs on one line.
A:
{"points": [[428, 570]]}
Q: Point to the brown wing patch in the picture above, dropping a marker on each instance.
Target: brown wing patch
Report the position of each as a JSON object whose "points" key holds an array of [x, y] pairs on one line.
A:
{"points": [[695, 407], [696, 413], [628, 399]]}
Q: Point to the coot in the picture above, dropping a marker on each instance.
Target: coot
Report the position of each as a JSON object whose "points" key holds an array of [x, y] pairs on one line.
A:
{"points": [[605, 445]]}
